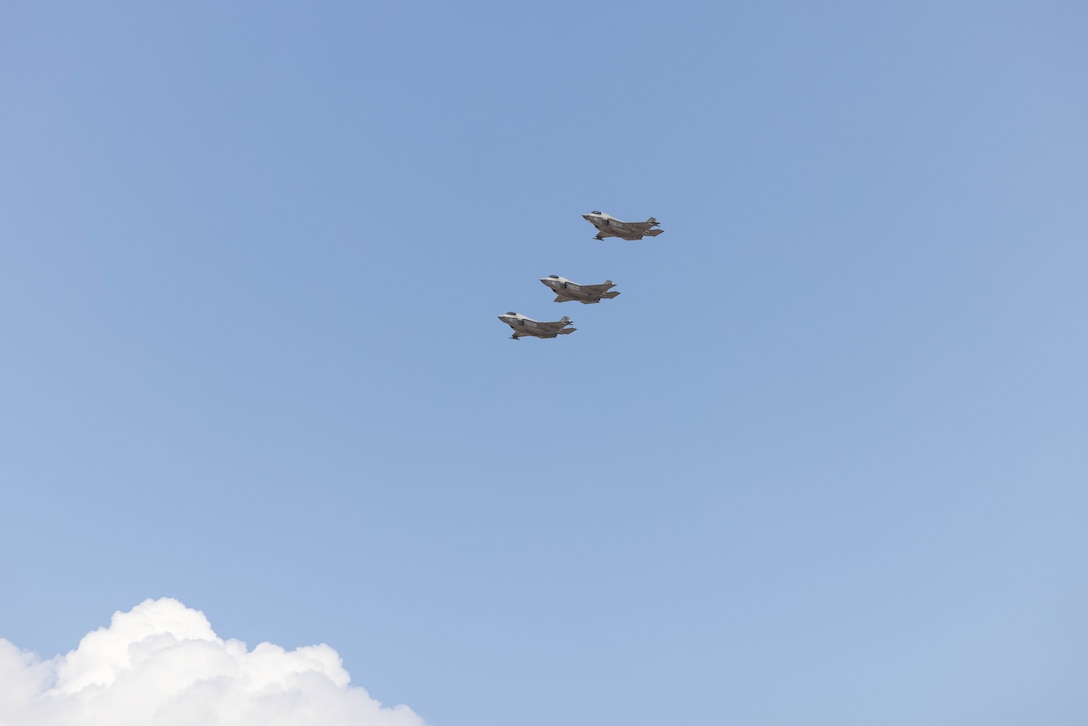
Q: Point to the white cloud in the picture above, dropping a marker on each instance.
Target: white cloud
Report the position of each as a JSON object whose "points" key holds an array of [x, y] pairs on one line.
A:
{"points": [[161, 664]]}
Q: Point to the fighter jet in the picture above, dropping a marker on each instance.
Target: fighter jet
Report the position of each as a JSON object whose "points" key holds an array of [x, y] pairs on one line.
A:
{"points": [[585, 294], [527, 326], [609, 226]]}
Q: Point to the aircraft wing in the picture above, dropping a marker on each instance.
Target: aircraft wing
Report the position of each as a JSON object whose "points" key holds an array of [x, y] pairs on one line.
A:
{"points": [[550, 327]]}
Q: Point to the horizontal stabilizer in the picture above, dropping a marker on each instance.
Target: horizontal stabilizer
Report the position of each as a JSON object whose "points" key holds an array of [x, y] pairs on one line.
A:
{"points": [[654, 232], [610, 294], [566, 331]]}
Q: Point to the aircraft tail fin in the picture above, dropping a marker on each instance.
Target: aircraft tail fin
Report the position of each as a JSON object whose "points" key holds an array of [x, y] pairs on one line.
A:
{"points": [[564, 320]]}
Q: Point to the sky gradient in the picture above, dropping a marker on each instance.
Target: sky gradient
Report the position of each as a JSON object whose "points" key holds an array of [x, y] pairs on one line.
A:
{"points": [[823, 461]]}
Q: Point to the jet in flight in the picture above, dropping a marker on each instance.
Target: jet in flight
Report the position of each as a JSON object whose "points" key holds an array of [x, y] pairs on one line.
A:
{"points": [[524, 326], [609, 226], [586, 294]]}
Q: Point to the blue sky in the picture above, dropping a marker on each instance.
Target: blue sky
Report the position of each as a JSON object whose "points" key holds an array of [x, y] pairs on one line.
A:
{"points": [[823, 461]]}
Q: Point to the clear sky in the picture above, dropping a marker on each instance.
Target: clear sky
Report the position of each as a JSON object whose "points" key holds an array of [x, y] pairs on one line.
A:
{"points": [[824, 461]]}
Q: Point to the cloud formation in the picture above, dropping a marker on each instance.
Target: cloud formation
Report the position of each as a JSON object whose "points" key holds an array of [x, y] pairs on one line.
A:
{"points": [[161, 664]]}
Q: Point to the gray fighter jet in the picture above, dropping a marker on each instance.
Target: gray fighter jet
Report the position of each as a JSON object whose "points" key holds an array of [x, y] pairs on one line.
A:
{"points": [[527, 326], [566, 290], [609, 226]]}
